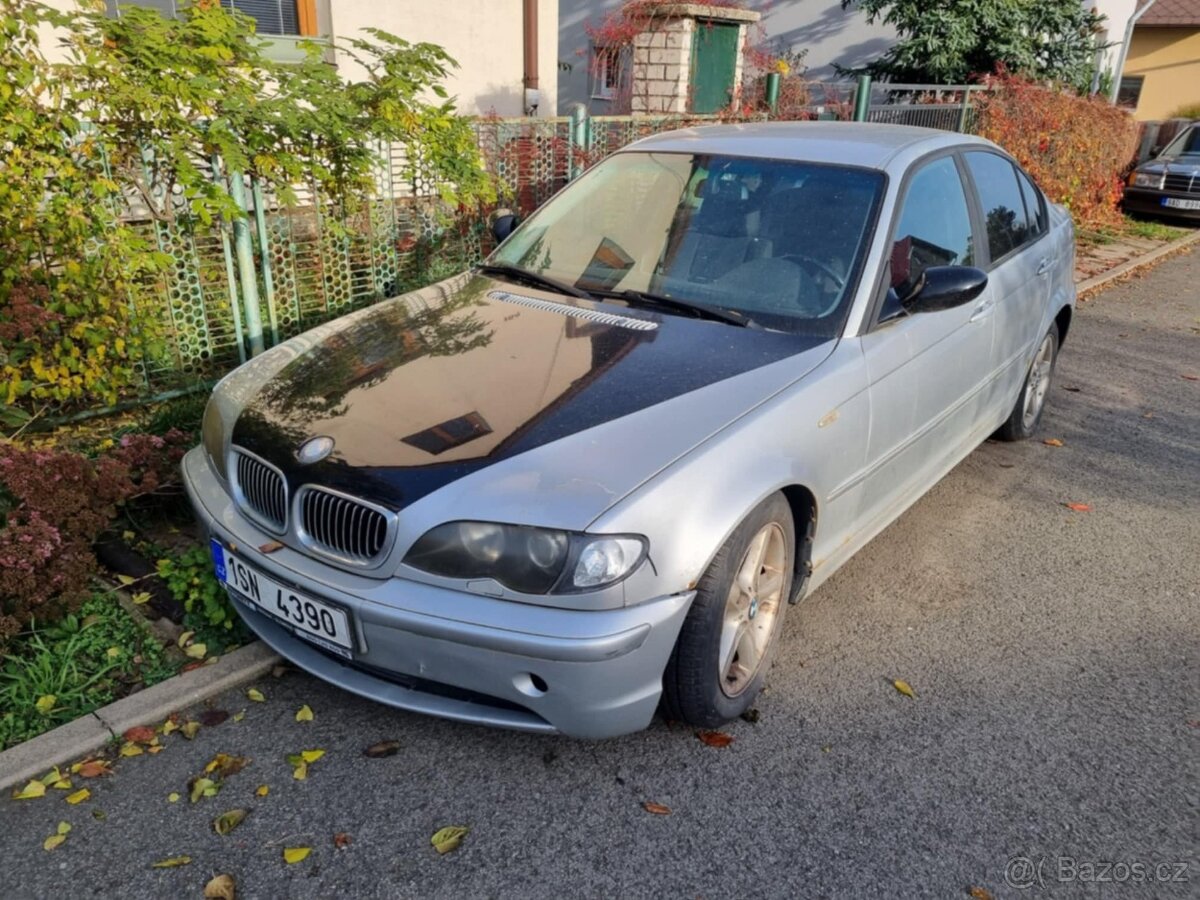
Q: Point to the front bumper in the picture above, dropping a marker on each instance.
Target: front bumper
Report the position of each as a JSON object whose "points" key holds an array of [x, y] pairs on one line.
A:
{"points": [[458, 655], [1149, 201]]}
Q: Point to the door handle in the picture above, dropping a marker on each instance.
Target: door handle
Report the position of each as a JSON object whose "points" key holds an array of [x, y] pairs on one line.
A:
{"points": [[1044, 266], [983, 310]]}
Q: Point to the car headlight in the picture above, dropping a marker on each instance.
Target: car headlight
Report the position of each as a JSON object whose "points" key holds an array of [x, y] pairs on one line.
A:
{"points": [[526, 559], [212, 435], [1146, 179]]}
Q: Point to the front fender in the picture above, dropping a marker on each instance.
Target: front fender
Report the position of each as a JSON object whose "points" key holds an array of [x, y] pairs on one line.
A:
{"points": [[813, 434]]}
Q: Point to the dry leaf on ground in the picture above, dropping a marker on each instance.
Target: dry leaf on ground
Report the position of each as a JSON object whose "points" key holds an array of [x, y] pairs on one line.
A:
{"points": [[904, 688], [1078, 507], [262, 790], [171, 862], [1052, 442], [979, 893], [715, 738], [79, 796], [189, 729], [382, 749], [31, 791], [256, 695], [341, 840], [656, 808], [227, 821], [221, 887], [304, 714], [94, 768], [446, 839], [173, 797], [296, 854]]}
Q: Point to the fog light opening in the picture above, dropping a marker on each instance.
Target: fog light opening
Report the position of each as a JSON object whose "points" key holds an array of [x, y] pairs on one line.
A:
{"points": [[530, 684]]}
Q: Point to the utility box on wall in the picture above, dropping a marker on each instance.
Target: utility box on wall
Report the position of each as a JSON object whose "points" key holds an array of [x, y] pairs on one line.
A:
{"points": [[688, 58]]}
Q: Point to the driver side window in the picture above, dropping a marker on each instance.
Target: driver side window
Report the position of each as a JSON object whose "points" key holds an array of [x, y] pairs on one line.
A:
{"points": [[933, 228]]}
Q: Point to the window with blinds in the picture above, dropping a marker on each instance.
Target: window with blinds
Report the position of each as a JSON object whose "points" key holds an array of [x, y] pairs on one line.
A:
{"points": [[291, 17]]}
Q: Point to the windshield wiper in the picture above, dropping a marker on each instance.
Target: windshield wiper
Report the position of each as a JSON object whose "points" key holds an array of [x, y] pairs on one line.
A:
{"points": [[687, 307], [516, 273]]}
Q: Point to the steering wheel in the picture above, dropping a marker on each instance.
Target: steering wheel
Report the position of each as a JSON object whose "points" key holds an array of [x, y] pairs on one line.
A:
{"points": [[809, 263]]}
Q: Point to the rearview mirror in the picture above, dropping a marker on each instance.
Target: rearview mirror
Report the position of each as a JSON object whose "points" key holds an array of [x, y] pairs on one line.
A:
{"points": [[504, 224], [944, 287]]}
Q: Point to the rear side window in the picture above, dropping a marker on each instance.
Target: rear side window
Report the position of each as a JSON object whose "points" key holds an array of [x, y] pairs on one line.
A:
{"points": [[1000, 195], [1035, 210]]}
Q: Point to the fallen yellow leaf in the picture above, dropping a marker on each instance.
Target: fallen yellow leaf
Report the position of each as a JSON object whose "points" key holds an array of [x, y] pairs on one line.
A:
{"points": [[141, 597], [169, 726], [300, 773], [173, 797], [304, 714], [79, 796], [903, 688], [195, 651], [446, 839], [199, 788], [51, 777], [129, 535], [64, 827], [296, 854], [239, 715], [262, 791], [256, 695], [53, 841], [311, 755], [185, 638], [1052, 442], [45, 704], [131, 749], [171, 862], [189, 729], [126, 579]]}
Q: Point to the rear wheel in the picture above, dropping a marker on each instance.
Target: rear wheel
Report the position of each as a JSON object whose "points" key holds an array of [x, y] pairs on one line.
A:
{"points": [[1025, 415], [725, 647]]}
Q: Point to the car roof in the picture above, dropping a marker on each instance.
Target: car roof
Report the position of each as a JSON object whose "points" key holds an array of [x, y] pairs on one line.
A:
{"points": [[868, 144]]}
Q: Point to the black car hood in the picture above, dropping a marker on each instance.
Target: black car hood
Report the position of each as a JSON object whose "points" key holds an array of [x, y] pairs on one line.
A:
{"points": [[425, 389]]}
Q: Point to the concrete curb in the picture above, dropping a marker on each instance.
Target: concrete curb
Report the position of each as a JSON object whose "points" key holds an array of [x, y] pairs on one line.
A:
{"points": [[74, 740], [1089, 285]]}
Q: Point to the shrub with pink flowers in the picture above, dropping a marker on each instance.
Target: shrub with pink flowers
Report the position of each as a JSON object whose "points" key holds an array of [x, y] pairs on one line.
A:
{"points": [[54, 504]]}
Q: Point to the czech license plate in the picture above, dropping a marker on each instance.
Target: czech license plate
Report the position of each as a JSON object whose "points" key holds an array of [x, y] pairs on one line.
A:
{"points": [[1176, 203], [315, 620]]}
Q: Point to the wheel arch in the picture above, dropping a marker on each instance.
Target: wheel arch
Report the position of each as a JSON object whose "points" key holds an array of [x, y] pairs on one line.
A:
{"points": [[1063, 320], [803, 504]]}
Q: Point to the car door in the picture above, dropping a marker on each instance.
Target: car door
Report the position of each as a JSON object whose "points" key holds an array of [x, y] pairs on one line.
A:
{"points": [[925, 370], [1018, 266]]}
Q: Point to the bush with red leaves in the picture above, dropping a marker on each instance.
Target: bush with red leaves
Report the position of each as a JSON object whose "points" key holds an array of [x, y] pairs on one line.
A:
{"points": [[54, 504]]}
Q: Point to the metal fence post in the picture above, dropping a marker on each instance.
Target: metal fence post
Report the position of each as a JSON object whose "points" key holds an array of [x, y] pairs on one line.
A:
{"points": [[772, 91], [962, 113], [264, 238], [578, 141], [862, 98], [247, 277]]}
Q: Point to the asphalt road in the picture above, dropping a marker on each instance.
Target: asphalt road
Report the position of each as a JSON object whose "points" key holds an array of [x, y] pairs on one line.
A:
{"points": [[1054, 656]]}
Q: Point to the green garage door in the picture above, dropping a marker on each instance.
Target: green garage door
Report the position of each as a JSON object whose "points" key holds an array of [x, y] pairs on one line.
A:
{"points": [[714, 59]]}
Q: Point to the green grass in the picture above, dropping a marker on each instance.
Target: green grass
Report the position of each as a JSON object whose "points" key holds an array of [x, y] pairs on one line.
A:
{"points": [[84, 661], [1152, 230]]}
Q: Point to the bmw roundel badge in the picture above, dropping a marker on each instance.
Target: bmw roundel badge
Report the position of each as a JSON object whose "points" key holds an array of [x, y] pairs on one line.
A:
{"points": [[314, 450]]}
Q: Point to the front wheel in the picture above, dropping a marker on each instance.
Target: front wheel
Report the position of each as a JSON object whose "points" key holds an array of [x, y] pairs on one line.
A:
{"points": [[724, 650], [1027, 412]]}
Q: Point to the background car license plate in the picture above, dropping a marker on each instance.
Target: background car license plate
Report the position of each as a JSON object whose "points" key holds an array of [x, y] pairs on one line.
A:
{"points": [[1176, 203], [311, 618]]}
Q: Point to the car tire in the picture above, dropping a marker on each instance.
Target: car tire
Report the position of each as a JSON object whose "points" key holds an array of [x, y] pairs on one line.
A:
{"points": [[727, 641], [1031, 402]]}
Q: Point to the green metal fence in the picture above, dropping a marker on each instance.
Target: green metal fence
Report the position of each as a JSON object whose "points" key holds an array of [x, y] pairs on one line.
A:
{"points": [[236, 288]]}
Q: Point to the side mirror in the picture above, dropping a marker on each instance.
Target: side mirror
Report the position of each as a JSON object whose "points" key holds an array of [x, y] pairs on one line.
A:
{"points": [[503, 225], [945, 287]]}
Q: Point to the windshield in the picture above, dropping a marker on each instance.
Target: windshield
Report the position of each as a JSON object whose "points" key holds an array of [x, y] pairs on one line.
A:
{"points": [[1185, 144], [778, 241]]}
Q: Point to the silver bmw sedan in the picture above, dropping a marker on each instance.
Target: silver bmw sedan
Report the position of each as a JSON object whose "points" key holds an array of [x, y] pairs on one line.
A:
{"points": [[587, 479]]}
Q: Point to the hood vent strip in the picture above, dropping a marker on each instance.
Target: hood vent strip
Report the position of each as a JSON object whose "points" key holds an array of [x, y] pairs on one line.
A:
{"points": [[575, 312]]}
